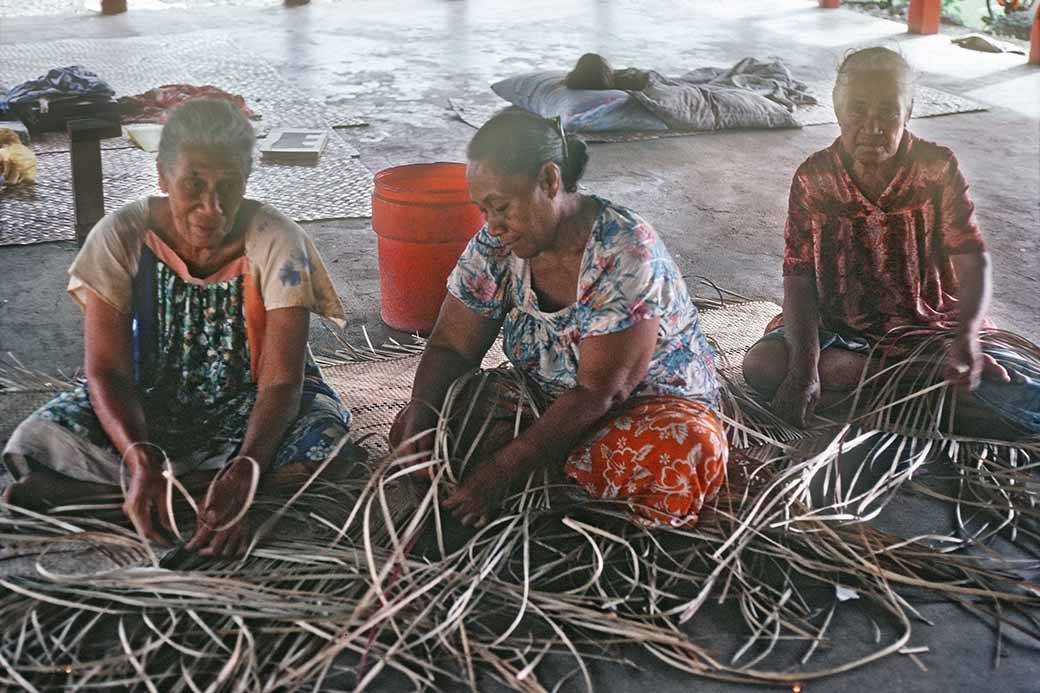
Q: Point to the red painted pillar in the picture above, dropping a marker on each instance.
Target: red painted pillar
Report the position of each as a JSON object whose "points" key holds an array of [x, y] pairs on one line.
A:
{"points": [[830, 4], [923, 16], [1034, 48]]}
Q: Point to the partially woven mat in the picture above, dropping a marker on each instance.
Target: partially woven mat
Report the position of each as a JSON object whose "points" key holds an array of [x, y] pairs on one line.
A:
{"points": [[928, 102], [733, 330], [376, 390], [16, 405], [339, 186]]}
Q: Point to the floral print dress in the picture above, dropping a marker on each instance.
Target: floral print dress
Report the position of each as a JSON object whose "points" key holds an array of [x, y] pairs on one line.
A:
{"points": [[627, 275], [664, 452]]}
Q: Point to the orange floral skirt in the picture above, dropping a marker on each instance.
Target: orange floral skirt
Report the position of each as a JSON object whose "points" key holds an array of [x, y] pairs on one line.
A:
{"points": [[665, 456]]}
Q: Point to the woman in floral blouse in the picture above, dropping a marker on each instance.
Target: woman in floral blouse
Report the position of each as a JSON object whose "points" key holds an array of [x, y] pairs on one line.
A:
{"points": [[597, 318], [197, 305], [881, 236]]}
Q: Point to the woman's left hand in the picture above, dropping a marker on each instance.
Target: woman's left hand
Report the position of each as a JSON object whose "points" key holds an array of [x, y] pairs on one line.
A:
{"points": [[966, 364], [224, 500], [481, 492]]}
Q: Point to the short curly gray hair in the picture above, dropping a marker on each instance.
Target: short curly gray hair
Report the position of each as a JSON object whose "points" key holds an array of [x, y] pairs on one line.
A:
{"points": [[877, 60], [207, 124]]}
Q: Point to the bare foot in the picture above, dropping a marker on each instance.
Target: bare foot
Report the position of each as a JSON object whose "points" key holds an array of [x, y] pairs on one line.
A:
{"points": [[23, 494]]}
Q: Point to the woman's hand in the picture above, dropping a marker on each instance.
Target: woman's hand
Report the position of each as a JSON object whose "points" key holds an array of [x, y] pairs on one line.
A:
{"points": [[796, 397], [146, 495], [405, 440], [458, 343], [966, 364], [225, 499], [482, 491], [108, 339]]}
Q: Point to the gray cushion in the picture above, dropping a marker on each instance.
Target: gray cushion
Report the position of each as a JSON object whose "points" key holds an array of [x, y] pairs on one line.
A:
{"points": [[544, 93]]}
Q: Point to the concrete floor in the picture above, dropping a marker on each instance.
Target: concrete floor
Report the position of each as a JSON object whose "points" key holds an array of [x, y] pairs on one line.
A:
{"points": [[718, 200]]}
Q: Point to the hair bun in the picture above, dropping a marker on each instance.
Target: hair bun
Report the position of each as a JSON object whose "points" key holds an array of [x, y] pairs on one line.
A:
{"points": [[577, 158]]}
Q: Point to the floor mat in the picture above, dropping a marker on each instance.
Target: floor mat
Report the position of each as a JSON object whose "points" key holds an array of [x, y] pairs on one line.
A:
{"points": [[339, 186]]}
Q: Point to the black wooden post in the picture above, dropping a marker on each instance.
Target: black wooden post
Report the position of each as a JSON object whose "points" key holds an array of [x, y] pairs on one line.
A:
{"points": [[87, 189]]}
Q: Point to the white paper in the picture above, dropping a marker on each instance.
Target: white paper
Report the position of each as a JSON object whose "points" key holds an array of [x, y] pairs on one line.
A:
{"points": [[844, 594], [145, 135]]}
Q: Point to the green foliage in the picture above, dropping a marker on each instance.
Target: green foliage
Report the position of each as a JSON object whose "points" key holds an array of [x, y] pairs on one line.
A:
{"points": [[952, 7]]}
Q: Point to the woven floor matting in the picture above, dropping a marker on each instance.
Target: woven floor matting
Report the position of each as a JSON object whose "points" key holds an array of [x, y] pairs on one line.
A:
{"points": [[928, 102], [339, 186], [376, 390]]}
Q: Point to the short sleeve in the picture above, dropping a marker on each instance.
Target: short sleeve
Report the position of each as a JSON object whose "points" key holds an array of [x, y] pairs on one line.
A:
{"points": [[288, 267], [960, 232], [108, 261], [481, 278], [799, 258], [637, 283]]}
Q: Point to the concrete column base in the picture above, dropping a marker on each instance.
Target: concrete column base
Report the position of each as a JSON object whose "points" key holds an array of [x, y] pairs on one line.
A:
{"points": [[923, 16], [1034, 41]]}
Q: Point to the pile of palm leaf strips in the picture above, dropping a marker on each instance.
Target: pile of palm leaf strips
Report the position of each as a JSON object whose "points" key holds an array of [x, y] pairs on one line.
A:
{"points": [[361, 582]]}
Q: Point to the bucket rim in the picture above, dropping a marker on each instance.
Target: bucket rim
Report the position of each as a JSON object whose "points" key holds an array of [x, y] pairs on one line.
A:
{"points": [[382, 178]]}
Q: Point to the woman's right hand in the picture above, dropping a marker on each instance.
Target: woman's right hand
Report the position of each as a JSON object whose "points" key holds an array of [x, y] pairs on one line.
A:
{"points": [[146, 495], [795, 400], [405, 440]]}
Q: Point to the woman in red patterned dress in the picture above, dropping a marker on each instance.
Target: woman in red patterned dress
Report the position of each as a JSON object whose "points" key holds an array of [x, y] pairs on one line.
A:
{"points": [[881, 235]]}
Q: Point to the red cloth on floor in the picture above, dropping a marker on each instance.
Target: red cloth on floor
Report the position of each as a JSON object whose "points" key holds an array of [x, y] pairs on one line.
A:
{"points": [[152, 106]]}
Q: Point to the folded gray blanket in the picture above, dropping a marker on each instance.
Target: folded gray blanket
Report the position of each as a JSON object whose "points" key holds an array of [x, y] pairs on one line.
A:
{"points": [[751, 94]]}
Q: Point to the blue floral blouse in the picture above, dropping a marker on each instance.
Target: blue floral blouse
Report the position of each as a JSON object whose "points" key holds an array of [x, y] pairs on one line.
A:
{"points": [[627, 275]]}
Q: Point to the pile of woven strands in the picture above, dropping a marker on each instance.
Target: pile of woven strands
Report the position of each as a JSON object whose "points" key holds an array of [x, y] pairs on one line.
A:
{"points": [[362, 582]]}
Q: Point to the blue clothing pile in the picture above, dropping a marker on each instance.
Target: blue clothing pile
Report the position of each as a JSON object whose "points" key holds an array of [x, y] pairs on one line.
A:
{"points": [[74, 80]]}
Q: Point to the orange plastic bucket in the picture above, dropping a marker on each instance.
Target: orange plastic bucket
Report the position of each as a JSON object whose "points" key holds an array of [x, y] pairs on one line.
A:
{"points": [[424, 218]]}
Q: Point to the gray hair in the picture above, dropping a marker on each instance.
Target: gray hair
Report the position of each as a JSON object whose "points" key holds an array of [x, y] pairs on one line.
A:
{"points": [[207, 124], [876, 60]]}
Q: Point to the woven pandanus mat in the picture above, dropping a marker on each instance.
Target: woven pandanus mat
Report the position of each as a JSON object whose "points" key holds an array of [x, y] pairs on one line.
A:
{"points": [[338, 187], [16, 405], [734, 329], [376, 390]]}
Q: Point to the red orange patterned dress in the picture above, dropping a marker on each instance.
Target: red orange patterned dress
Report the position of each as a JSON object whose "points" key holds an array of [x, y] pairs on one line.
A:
{"points": [[886, 263]]}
